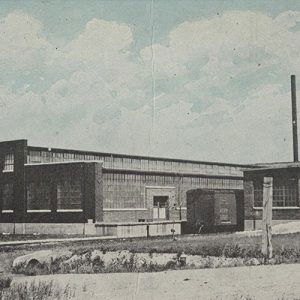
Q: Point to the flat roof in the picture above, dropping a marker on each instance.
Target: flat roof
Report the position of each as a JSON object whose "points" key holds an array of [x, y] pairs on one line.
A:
{"points": [[274, 166], [38, 148]]}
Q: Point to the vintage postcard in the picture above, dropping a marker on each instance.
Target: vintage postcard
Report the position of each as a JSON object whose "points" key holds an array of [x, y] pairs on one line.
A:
{"points": [[149, 149]]}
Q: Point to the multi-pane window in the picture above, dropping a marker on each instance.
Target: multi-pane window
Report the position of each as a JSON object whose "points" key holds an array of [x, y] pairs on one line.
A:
{"points": [[69, 195], [258, 193], [108, 161], [38, 196], [57, 157], [7, 196], [144, 164], [285, 193], [68, 156], [117, 162], [46, 156], [8, 163], [78, 156], [168, 166], [34, 157]]}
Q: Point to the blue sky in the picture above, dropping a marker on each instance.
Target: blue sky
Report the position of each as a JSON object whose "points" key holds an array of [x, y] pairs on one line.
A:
{"points": [[207, 80]]}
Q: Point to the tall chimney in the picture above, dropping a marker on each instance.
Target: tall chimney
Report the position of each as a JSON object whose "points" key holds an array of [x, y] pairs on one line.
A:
{"points": [[294, 117]]}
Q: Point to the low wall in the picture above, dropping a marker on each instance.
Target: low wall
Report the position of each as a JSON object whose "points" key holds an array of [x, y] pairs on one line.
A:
{"points": [[140, 229], [257, 224], [48, 228], [120, 230]]}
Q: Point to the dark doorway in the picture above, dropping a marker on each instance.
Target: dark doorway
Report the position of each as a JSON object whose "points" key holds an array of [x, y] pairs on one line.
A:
{"points": [[160, 207]]}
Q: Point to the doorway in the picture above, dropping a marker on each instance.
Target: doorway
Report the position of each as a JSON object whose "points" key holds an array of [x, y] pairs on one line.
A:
{"points": [[160, 207]]}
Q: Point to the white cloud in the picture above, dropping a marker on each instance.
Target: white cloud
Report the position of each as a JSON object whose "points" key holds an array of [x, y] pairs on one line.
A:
{"points": [[21, 42], [219, 90]]}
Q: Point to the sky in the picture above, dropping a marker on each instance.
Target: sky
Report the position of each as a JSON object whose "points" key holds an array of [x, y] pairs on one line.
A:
{"points": [[204, 80]]}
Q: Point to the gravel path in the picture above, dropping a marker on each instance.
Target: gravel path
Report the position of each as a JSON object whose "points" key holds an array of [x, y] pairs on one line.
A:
{"points": [[261, 282]]}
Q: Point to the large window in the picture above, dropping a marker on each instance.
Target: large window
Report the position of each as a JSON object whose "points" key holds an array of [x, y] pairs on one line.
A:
{"points": [[285, 193], [8, 163], [38, 196], [69, 195], [7, 196]]}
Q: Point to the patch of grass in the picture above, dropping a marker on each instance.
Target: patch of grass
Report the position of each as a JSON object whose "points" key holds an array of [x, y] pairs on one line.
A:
{"points": [[286, 248], [37, 291], [5, 281]]}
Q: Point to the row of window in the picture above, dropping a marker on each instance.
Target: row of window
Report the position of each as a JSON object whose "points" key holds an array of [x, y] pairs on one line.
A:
{"points": [[172, 180], [285, 193], [38, 195], [136, 164], [128, 190]]}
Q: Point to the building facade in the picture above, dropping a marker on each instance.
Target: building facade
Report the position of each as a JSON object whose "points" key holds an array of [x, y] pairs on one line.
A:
{"points": [[286, 189], [39, 184]]}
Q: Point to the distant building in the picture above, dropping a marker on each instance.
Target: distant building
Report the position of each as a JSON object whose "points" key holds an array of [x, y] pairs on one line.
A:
{"points": [[41, 185]]}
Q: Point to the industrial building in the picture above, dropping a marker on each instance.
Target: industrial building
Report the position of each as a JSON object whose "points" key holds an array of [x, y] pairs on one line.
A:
{"points": [[41, 185], [51, 185]]}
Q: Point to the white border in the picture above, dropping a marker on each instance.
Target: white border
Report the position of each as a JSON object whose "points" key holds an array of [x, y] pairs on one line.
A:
{"points": [[7, 211], [124, 209], [38, 210], [279, 207], [70, 210]]}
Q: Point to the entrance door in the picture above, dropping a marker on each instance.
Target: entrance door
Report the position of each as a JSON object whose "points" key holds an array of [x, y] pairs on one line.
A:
{"points": [[160, 207]]}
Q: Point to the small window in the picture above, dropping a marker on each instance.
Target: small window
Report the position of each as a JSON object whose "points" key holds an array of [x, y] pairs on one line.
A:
{"points": [[69, 195], [38, 196], [8, 163]]}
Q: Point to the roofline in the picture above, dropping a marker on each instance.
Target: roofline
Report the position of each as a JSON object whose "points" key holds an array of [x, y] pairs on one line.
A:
{"points": [[271, 168], [170, 173], [37, 148]]}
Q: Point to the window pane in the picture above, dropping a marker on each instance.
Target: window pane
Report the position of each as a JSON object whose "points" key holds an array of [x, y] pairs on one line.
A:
{"points": [[8, 163], [7, 196], [69, 195], [38, 196]]}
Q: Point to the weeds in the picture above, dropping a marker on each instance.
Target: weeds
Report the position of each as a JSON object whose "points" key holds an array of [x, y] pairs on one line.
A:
{"points": [[5, 281], [39, 290]]}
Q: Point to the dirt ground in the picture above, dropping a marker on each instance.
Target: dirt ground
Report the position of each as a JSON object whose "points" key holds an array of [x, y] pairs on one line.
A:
{"points": [[261, 282]]}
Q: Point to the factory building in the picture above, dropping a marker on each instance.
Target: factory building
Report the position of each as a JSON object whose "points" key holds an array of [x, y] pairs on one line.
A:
{"points": [[51, 185]]}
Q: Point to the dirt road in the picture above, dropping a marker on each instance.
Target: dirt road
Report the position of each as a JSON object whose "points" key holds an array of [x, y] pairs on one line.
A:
{"points": [[261, 282]]}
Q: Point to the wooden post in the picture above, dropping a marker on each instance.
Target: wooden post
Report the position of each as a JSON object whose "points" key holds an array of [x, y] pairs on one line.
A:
{"points": [[267, 249]]}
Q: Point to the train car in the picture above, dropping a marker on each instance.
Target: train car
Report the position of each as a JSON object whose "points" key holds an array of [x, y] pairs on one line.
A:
{"points": [[214, 211]]}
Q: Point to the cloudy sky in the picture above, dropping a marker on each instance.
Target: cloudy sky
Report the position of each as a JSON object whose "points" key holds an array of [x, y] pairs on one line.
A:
{"points": [[207, 80]]}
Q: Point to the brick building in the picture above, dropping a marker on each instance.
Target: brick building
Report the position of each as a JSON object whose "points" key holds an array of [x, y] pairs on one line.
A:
{"points": [[286, 185], [43, 185]]}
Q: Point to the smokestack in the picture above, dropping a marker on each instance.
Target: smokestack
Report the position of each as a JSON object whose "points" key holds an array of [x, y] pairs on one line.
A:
{"points": [[294, 117]]}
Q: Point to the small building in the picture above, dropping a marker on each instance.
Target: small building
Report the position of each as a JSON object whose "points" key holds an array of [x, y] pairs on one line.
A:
{"points": [[286, 187], [60, 186]]}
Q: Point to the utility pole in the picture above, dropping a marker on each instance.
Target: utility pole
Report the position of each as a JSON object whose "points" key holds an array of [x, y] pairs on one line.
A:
{"points": [[267, 249], [294, 117]]}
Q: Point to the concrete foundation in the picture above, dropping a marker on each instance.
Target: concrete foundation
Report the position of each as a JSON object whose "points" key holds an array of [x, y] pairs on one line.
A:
{"points": [[120, 230], [257, 224]]}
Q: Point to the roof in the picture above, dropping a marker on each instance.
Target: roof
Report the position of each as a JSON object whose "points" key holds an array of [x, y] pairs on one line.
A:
{"points": [[274, 166], [38, 148]]}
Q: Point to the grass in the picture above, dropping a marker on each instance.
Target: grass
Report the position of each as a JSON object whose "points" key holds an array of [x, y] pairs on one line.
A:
{"points": [[286, 248], [37, 291]]}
